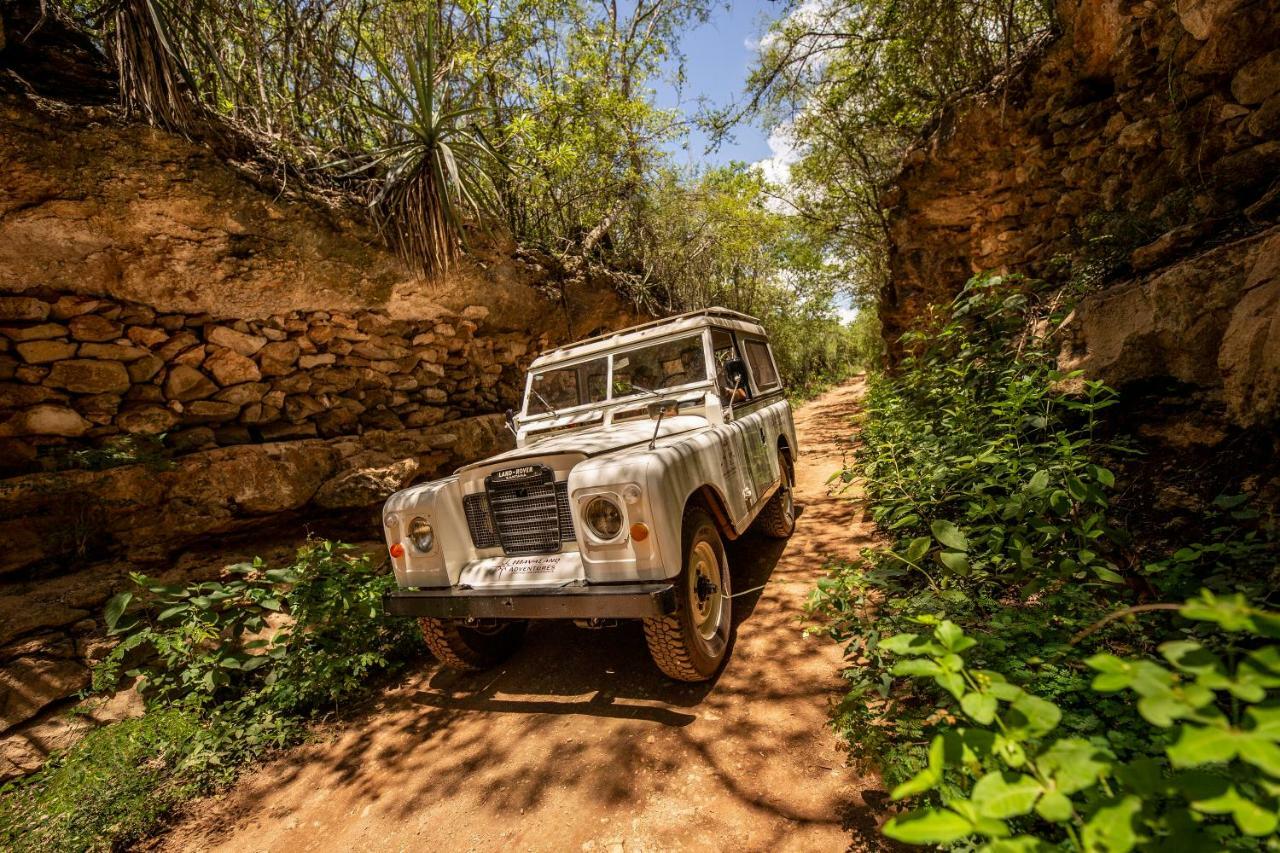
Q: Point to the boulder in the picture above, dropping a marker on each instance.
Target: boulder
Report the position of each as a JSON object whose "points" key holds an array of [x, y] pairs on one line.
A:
{"points": [[145, 368], [307, 362], [111, 352], [231, 368], [28, 685], [147, 337], [362, 487], [23, 308], [1258, 80], [212, 410], [89, 376], [239, 342], [186, 383], [278, 358], [39, 332], [146, 420], [46, 419], [44, 351], [94, 327]]}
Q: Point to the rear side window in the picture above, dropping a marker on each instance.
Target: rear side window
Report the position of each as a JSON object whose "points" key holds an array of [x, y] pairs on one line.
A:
{"points": [[761, 363]]}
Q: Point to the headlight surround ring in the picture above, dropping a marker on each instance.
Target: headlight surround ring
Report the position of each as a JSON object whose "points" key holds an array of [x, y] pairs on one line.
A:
{"points": [[603, 517], [422, 535]]}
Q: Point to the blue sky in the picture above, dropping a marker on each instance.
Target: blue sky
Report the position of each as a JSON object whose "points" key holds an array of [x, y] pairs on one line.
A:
{"points": [[718, 56]]}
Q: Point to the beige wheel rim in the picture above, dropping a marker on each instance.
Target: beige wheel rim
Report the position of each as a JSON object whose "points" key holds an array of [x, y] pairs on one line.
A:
{"points": [[706, 589]]}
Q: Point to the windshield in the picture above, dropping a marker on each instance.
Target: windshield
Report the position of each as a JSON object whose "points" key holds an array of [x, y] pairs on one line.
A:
{"points": [[666, 365], [651, 367], [564, 387]]}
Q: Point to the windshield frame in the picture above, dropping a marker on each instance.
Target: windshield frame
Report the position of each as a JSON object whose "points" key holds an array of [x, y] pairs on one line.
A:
{"points": [[704, 335]]}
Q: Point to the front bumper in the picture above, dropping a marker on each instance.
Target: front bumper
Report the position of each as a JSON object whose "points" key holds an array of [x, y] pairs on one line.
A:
{"points": [[612, 601]]}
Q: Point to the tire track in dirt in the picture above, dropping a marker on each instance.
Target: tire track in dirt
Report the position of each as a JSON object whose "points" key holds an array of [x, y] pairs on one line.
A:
{"points": [[579, 743]]}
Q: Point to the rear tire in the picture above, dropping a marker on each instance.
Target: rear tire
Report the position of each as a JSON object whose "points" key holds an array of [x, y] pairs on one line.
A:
{"points": [[778, 518], [691, 644], [471, 649]]}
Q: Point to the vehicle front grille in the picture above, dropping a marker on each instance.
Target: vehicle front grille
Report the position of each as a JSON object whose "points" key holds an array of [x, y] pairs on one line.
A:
{"points": [[529, 515]]}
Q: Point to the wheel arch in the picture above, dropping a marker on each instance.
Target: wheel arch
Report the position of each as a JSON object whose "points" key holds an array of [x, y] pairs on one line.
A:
{"points": [[710, 497]]}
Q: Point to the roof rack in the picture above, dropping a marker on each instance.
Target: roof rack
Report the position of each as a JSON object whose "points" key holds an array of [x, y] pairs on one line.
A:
{"points": [[724, 313]]}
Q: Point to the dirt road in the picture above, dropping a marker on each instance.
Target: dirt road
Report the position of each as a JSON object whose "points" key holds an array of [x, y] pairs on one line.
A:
{"points": [[578, 743]]}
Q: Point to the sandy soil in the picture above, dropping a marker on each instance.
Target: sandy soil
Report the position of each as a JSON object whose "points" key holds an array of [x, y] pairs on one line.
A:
{"points": [[579, 743]]}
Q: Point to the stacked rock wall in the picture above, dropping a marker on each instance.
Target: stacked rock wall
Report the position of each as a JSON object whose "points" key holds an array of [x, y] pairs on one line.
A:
{"points": [[1142, 137], [78, 373]]}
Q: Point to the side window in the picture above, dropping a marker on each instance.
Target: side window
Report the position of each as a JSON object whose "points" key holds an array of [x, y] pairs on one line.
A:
{"points": [[725, 351], [761, 362]]}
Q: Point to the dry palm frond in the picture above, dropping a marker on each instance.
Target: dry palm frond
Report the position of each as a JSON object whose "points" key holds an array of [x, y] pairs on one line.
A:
{"points": [[154, 82], [432, 165]]}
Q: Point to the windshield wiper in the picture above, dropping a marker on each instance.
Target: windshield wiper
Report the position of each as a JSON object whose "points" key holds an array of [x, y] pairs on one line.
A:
{"points": [[545, 404]]}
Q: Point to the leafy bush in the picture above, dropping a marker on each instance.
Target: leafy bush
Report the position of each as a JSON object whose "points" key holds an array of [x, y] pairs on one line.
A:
{"points": [[229, 669], [1215, 784], [287, 640], [985, 468]]}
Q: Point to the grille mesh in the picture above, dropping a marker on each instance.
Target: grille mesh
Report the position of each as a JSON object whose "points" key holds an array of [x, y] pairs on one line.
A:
{"points": [[522, 518]]}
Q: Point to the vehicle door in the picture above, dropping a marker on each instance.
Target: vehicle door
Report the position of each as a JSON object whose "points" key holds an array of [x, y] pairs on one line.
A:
{"points": [[735, 393], [761, 422]]}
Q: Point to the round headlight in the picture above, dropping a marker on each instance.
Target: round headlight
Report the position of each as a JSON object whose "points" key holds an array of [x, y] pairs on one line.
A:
{"points": [[603, 517], [421, 535]]}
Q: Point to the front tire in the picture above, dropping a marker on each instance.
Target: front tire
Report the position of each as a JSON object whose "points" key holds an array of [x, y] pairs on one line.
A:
{"points": [[460, 647], [690, 645], [778, 518]]}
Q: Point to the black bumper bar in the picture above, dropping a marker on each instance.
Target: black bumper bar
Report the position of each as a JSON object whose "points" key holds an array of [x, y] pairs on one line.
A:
{"points": [[618, 601]]}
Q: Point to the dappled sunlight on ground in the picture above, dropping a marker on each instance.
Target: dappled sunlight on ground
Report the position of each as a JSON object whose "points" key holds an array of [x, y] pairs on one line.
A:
{"points": [[579, 742]]}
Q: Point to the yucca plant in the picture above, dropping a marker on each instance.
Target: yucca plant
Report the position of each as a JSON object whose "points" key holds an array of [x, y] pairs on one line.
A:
{"points": [[144, 39], [431, 162]]}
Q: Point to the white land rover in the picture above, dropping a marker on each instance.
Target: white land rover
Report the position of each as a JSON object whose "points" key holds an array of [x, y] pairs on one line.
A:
{"points": [[637, 454]]}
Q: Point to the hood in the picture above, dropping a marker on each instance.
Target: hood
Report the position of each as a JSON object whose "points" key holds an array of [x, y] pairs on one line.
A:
{"points": [[598, 440]]}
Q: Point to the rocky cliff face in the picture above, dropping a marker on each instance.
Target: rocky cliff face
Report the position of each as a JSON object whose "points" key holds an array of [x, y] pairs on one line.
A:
{"points": [[1137, 153], [192, 355]]}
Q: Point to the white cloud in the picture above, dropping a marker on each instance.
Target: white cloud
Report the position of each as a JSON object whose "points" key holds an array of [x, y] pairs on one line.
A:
{"points": [[777, 168]]}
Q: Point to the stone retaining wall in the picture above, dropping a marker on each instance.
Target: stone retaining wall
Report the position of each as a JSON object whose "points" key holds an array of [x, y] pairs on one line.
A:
{"points": [[80, 372]]}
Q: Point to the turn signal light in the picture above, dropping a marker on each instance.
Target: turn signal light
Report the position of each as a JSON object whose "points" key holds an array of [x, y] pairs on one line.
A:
{"points": [[397, 550], [639, 531]]}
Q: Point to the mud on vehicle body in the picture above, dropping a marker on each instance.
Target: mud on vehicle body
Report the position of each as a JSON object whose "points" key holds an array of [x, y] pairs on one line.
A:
{"points": [[637, 454]]}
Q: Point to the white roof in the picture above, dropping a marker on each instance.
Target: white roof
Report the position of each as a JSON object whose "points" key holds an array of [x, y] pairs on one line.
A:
{"points": [[687, 322]]}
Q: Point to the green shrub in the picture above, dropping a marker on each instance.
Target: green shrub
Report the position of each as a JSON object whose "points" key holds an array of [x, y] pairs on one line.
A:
{"points": [[1214, 784], [983, 466], [229, 669]]}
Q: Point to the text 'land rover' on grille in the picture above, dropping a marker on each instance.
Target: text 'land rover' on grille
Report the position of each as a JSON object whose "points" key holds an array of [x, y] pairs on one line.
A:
{"points": [[637, 454]]}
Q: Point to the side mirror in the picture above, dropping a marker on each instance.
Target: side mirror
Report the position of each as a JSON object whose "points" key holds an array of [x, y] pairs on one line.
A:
{"points": [[511, 421], [735, 371]]}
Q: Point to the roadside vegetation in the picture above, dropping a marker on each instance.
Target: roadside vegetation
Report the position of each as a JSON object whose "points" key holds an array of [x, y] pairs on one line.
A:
{"points": [[455, 121], [1027, 673], [229, 670]]}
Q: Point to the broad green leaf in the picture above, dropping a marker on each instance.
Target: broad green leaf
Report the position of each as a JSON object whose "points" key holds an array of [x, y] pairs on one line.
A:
{"points": [[1074, 764], [1031, 716], [949, 535], [1038, 482], [1054, 807], [1108, 575], [115, 609], [981, 707], [952, 637], [1212, 794], [1111, 828], [917, 548], [952, 682], [1017, 844], [1003, 794], [1198, 745], [1232, 613], [928, 778], [1060, 503], [955, 561], [928, 826], [915, 667]]}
